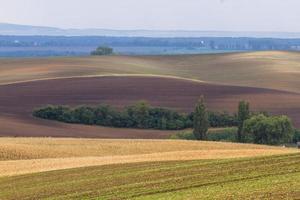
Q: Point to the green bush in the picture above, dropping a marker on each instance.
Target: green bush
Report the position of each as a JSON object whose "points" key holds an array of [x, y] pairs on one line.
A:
{"points": [[222, 134], [52, 112], [184, 135], [272, 130]]}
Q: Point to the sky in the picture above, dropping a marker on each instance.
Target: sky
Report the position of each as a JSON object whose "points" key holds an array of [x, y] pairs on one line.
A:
{"points": [[202, 15]]}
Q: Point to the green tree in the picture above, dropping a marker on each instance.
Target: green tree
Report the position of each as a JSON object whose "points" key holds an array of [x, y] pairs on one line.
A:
{"points": [[296, 137], [201, 122], [141, 114], [269, 130], [102, 50], [163, 123], [84, 115], [243, 114]]}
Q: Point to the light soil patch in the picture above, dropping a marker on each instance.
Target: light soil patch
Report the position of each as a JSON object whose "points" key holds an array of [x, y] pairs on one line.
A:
{"points": [[30, 155], [27, 126]]}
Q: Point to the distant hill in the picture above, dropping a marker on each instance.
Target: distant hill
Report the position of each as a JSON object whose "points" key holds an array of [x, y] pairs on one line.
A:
{"points": [[14, 29]]}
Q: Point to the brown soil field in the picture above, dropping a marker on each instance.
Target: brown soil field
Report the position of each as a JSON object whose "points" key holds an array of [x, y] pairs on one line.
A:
{"points": [[270, 69], [17, 102], [30, 155], [27, 126]]}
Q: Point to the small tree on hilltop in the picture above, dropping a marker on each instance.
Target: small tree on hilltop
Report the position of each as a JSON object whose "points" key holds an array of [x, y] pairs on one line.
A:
{"points": [[102, 50], [201, 122], [243, 114]]}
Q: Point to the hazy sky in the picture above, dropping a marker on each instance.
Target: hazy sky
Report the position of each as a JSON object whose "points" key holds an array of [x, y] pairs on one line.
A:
{"points": [[230, 15]]}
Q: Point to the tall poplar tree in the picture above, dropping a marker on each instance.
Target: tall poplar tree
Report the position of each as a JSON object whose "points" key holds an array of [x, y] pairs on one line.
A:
{"points": [[201, 122], [243, 115]]}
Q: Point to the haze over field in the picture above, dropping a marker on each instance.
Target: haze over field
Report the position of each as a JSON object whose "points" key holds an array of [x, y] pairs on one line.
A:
{"points": [[29, 30], [213, 15]]}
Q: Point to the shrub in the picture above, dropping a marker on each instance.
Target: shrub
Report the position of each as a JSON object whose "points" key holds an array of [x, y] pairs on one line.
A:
{"points": [[51, 112], [184, 135], [273, 130], [222, 134]]}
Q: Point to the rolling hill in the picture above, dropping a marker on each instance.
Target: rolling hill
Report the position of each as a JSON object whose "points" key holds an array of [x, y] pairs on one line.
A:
{"points": [[17, 120], [267, 79], [118, 168], [273, 70]]}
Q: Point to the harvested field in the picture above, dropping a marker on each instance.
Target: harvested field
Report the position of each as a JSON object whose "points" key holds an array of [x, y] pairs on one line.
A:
{"points": [[271, 69], [29, 155], [275, 177], [17, 102], [40, 148]]}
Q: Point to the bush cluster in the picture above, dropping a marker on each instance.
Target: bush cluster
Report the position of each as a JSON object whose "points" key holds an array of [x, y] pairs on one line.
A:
{"points": [[221, 134]]}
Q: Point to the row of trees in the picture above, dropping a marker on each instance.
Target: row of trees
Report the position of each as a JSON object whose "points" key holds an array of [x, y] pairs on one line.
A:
{"points": [[253, 128], [140, 115]]}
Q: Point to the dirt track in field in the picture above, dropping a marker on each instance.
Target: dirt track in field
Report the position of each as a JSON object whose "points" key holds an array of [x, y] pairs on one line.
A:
{"points": [[18, 100]]}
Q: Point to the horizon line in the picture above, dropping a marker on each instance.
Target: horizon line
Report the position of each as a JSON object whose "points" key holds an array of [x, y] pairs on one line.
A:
{"points": [[153, 30]]}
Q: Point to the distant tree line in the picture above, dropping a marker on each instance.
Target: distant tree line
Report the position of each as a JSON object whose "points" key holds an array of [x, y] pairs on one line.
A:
{"points": [[141, 115], [220, 43]]}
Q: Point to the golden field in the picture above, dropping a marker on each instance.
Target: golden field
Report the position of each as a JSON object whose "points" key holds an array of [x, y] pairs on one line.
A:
{"points": [[30, 155]]}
